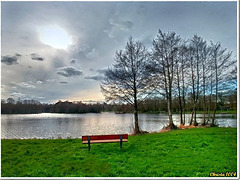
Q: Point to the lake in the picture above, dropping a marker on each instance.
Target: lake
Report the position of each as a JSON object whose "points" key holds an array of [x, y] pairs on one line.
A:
{"points": [[50, 125]]}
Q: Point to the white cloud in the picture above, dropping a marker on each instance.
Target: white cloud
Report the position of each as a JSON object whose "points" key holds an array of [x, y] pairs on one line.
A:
{"points": [[18, 94], [26, 85], [51, 80], [117, 26], [22, 85]]}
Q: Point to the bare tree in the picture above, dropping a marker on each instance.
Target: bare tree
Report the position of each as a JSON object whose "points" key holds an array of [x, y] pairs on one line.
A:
{"points": [[129, 79], [165, 48], [221, 64], [204, 56], [181, 71], [197, 58], [178, 75]]}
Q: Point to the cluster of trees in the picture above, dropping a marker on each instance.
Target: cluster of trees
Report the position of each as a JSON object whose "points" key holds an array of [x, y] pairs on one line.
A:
{"points": [[21, 107], [227, 102], [189, 71]]}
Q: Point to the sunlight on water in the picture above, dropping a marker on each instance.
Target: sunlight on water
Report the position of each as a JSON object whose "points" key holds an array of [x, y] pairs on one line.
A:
{"points": [[47, 125]]}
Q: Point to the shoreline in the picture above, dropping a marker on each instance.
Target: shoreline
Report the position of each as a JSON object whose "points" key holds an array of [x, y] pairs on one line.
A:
{"points": [[181, 127]]}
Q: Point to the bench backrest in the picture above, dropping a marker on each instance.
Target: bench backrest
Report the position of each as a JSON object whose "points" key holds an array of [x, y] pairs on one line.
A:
{"points": [[104, 137]]}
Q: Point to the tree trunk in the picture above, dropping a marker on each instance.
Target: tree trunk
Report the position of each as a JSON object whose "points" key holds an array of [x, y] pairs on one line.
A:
{"points": [[136, 128], [191, 121], [183, 97], [210, 98], [170, 112], [169, 100], [204, 61], [215, 109], [197, 94], [204, 116], [214, 116], [171, 124], [204, 100], [179, 98], [195, 116], [216, 97]]}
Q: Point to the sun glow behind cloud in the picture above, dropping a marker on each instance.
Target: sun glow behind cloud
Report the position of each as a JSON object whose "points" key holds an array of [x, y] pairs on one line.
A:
{"points": [[54, 36], [41, 40]]}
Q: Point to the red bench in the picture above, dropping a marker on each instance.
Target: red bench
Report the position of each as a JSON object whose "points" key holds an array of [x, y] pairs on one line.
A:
{"points": [[104, 139]]}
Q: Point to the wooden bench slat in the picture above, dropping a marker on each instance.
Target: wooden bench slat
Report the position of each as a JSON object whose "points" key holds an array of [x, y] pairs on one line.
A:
{"points": [[102, 137], [105, 141]]}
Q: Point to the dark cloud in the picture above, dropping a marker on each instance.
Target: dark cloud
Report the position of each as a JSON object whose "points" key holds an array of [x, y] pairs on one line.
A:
{"points": [[18, 55], [69, 71], [10, 60], [103, 70], [73, 61], [36, 57], [63, 82], [97, 77]]}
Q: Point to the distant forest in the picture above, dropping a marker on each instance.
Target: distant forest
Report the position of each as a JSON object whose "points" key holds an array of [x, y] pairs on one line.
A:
{"points": [[227, 102], [32, 106]]}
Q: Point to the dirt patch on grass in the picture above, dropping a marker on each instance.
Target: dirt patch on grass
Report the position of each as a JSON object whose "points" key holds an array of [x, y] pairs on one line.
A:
{"points": [[192, 126], [184, 127]]}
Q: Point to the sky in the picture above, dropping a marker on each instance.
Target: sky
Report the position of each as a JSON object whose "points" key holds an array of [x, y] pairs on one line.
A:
{"points": [[54, 51]]}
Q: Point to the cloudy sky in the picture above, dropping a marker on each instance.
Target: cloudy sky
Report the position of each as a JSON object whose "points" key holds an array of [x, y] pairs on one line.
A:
{"points": [[54, 51]]}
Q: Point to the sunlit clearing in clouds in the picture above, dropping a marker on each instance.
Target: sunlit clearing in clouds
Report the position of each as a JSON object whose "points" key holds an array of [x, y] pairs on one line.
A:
{"points": [[54, 36]]}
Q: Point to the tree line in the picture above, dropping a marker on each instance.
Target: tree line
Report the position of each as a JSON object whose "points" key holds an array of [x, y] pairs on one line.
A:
{"points": [[228, 101], [187, 71], [10, 107], [155, 105]]}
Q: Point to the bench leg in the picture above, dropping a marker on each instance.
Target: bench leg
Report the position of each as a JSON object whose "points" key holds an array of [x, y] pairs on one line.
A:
{"points": [[121, 142], [89, 146]]}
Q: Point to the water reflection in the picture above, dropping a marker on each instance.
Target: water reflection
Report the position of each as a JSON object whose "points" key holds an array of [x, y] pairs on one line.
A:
{"points": [[48, 125]]}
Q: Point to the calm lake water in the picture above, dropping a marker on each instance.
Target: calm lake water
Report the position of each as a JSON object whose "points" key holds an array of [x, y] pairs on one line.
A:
{"points": [[48, 125]]}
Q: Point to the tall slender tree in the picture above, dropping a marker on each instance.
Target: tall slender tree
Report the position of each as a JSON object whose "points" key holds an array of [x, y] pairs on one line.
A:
{"points": [[198, 58], [165, 50], [221, 63], [180, 74], [204, 56], [129, 79]]}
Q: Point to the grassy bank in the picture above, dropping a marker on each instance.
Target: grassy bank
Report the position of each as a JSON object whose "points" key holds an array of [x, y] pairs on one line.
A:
{"points": [[185, 153]]}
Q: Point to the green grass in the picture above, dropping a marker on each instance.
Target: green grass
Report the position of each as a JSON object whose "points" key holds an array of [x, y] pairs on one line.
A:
{"points": [[185, 153]]}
